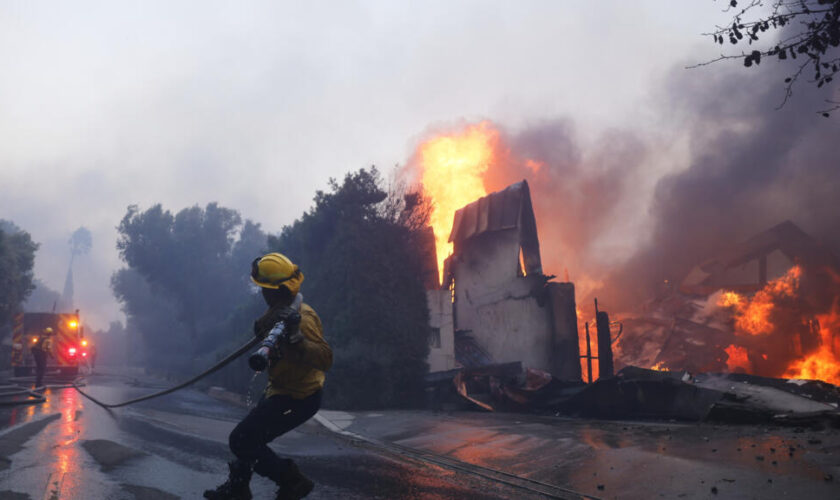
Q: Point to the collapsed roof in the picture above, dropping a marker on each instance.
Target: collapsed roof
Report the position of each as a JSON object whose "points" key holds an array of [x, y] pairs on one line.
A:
{"points": [[509, 208], [785, 241]]}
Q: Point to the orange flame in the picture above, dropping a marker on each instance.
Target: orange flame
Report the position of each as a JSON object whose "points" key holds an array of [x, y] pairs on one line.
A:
{"points": [[824, 363], [730, 299], [660, 367], [752, 315], [453, 168], [737, 358]]}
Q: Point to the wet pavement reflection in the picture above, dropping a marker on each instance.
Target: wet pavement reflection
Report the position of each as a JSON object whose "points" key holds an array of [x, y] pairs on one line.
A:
{"points": [[176, 446], [628, 459]]}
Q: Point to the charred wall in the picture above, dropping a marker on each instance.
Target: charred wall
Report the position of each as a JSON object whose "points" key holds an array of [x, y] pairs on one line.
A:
{"points": [[504, 308]]}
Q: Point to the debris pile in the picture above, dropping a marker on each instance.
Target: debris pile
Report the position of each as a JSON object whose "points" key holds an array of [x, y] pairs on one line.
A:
{"points": [[638, 393], [769, 306]]}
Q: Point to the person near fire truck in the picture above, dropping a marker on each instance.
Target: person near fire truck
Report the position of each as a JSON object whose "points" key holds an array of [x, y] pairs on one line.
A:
{"points": [[295, 381], [41, 348]]}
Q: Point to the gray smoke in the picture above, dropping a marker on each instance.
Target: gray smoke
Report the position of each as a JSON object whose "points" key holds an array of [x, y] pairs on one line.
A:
{"points": [[752, 167], [575, 193]]}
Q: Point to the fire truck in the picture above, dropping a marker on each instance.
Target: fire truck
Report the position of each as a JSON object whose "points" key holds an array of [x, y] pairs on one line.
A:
{"points": [[68, 350]]}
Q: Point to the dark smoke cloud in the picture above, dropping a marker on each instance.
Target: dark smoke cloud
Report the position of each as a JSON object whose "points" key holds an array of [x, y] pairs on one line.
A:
{"points": [[752, 167], [575, 192]]}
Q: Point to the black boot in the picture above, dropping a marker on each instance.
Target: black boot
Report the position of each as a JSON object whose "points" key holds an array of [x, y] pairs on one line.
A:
{"points": [[292, 484], [236, 487]]}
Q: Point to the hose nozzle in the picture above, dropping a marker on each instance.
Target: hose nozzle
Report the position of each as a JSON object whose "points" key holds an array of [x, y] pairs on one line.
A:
{"points": [[258, 361]]}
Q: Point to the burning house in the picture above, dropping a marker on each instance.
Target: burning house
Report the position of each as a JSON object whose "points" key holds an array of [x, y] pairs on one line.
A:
{"points": [[766, 306], [495, 305], [505, 335]]}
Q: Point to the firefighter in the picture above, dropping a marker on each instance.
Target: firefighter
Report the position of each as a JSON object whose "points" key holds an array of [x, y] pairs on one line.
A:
{"points": [[40, 350], [293, 393], [92, 357]]}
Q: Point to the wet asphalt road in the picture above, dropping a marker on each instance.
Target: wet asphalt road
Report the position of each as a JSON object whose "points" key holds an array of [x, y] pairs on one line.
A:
{"points": [[623, 460], [176, 447]]}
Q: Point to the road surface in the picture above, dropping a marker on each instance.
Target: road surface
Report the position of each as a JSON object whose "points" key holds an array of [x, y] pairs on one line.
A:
{"points": [[176, 447]]}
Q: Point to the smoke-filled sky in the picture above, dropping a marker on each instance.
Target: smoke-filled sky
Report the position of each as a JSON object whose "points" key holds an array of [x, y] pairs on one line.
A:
{"points": [[255, 105]]}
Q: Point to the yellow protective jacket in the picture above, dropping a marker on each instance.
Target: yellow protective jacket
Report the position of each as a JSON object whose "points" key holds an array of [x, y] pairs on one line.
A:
{"points": [[44, 344], [300, 371]]}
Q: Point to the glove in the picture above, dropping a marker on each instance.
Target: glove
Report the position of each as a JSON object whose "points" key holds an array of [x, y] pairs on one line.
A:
{"points": [[263, 325], [293, 333]]}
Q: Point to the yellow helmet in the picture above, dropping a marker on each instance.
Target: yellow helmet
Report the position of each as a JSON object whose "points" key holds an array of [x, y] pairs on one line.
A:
{"points": [[48, 330], [274, 270]]}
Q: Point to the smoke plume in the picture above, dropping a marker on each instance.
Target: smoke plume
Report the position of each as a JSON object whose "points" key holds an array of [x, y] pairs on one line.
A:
{"points": [[749, 166]]}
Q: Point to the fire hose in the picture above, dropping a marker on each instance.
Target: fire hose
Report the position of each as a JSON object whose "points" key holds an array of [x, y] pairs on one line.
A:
{"points": [[8, 391], [37, 398], [258, 361], [34, 396], [218, 366]]}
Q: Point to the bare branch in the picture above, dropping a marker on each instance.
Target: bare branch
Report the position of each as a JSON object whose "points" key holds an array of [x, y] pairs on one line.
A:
{"points": [[810, 29]]}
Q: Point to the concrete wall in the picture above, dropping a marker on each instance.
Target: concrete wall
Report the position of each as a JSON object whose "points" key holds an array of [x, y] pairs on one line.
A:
{"points": [[510, 324], [513, 317], [441, 356]]}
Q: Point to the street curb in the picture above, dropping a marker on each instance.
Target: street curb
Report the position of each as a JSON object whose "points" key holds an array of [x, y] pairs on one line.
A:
{"points": [[330, 426]]}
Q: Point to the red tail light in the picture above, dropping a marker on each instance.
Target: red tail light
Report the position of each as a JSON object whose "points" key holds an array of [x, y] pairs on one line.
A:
{"points": [[72, 351]]}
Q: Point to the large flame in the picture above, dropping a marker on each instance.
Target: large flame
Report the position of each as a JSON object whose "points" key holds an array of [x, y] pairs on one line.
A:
{"points": [[453, 168], [753, 315], [824, 363], [755, 326]]}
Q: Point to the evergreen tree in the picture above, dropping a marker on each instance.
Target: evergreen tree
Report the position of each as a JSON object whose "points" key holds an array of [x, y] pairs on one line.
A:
{"points": [[359, 250], [17, 257]]}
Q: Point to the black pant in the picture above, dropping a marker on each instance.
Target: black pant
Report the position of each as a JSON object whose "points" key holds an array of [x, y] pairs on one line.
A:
{"points": [[272, 417], [40, 366]]}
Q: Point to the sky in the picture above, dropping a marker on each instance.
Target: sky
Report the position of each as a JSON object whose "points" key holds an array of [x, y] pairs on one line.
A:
{"points": [[256, 105]]}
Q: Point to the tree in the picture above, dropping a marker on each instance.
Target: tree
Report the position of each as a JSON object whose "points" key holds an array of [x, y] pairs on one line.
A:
{"points": [[153, 314], [80, 242], [808, 29], [42, 298], [358, 249], [193, 265], [17, 257]]}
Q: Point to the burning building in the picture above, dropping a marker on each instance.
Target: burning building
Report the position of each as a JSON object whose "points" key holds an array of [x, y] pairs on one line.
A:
{"points": [[507, 335], [494, 304], [766, 306]]}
